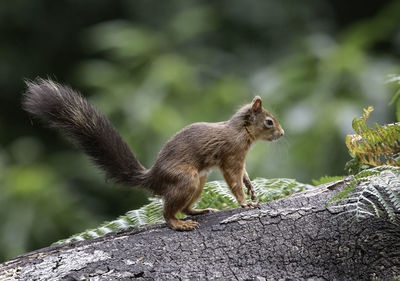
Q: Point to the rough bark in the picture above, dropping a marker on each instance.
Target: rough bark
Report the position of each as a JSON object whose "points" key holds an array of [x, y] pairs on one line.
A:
{"points": [[292, 238]]}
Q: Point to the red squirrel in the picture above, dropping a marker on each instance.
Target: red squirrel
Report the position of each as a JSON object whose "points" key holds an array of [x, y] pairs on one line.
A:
{"points": [[181, 168]]}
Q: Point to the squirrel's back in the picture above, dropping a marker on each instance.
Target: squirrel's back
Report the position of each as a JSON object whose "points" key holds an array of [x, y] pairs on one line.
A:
{"points": [[201, 144], [65, 109]]}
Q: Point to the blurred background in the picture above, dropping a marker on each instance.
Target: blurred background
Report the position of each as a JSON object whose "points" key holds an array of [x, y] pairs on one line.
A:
{"points": [[153, 67]]}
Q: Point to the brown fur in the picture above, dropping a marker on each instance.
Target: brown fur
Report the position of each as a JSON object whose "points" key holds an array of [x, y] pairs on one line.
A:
{"points": [[201, 146], [180, 170]]}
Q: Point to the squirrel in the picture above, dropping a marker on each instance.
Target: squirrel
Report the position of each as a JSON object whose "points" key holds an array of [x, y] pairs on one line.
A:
{"points": [[181, 167]]}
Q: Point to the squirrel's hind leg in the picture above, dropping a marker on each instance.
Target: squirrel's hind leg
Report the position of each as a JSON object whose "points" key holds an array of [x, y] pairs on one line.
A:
{"points": [[171, 208], [179, 195], [188, 208]]}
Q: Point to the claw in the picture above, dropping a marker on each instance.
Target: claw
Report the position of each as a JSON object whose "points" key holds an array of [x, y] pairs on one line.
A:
{"points": [[183, 225], [193, 212]]}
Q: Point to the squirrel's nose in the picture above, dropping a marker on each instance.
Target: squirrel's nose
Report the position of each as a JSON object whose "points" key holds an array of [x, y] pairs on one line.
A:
{"points": [[282, 132]]}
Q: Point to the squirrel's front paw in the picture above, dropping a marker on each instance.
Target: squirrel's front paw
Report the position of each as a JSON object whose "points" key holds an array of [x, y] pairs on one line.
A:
{"points": [[248, 205]]}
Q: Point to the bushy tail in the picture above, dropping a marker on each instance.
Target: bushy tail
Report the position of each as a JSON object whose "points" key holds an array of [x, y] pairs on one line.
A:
{"points": [[66, 110]]}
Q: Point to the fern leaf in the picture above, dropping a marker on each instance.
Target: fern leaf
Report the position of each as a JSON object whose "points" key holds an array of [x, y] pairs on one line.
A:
{"points": [[327, 179], [376, 189], [371, 204], [375, 146], [216, 195], [387, 207], [392, 184]]}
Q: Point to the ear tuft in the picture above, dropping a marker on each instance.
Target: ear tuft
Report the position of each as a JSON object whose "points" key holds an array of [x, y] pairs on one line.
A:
{"points": [[256, 104]]}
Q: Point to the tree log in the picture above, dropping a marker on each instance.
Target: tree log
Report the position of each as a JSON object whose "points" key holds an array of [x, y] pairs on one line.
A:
{"points": [[297, 237]]}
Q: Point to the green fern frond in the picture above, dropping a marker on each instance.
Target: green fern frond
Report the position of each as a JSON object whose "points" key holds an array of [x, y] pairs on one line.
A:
{"points": [[148, 214], [370, 193], [371, 190], [327, 179], [362, 176], [272, 189], [373, 146], [216, 195]]}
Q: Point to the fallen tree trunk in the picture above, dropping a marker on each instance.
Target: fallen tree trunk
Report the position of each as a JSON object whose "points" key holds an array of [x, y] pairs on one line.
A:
{"points": [[295, 238]]}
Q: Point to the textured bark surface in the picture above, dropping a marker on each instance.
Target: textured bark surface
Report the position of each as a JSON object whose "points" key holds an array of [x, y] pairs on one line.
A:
{"points": [[293, 238]]}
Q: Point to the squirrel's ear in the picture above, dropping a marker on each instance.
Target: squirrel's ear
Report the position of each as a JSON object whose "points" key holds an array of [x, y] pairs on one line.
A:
{"points": [[256, 104]]}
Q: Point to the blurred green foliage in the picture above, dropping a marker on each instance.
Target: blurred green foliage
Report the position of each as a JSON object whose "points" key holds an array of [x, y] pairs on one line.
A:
{"points": [[153, 67]]}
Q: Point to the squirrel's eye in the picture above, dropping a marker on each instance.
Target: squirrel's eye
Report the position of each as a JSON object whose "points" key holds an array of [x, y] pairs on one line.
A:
{"points": [[269, 122]]}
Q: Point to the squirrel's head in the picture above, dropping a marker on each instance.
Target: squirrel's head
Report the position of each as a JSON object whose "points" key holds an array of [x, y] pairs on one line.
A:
{"points": [[258, 122]]}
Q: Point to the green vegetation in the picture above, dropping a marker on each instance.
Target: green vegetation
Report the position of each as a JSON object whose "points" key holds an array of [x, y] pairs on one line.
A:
{"points": [[371, 193], [372, 147], [374, 191], [327, 179]]}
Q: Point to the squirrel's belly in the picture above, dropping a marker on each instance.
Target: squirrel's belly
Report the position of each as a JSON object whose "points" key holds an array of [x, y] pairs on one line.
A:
{"points": [[205, 172]]}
